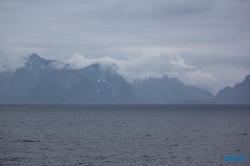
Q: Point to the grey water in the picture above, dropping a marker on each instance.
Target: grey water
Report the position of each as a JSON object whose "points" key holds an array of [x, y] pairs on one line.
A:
{"points": [[112, 135]]}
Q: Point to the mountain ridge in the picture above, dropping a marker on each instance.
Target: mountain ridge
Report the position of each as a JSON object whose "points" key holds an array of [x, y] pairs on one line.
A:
{"points": [[169, 91], [44, 81], [239, 94], [38, 82]]}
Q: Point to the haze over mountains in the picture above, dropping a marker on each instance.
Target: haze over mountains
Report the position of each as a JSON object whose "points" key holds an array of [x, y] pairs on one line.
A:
{"points": [[51, 81], [169, 90]]}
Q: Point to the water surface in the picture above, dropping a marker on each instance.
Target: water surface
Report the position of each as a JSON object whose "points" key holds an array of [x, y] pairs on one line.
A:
{"points": [[112, 135]]}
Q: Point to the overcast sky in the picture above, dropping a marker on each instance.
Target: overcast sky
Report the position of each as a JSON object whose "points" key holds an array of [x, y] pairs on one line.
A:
{"points": [[205, 43]]}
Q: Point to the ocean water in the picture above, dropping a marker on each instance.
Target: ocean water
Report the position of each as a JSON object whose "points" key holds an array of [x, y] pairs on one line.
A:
{"points": [[124, 135]]}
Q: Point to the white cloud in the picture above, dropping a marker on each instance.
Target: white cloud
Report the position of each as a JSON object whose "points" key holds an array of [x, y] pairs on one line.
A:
{"points": [[10, 63], [197, 78], [143, 67]]}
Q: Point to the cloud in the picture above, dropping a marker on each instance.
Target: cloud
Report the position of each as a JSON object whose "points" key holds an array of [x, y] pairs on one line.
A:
{"points": [[206, 34], [143, 67], [197, 78], [10, 63]]}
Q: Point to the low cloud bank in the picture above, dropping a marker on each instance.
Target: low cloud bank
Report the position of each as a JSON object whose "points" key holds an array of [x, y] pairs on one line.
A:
{"points": [[143, 67]]}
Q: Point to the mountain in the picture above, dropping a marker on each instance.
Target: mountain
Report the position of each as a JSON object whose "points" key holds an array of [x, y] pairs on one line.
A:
{"points": [[43, 81], [51, 81], [169, 90], [35, 61], [239, 94]]}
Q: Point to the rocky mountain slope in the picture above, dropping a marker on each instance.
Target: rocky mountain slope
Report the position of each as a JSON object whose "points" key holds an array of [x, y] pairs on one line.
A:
{"points": [[50, 81], [167, 91], [239, 94]]}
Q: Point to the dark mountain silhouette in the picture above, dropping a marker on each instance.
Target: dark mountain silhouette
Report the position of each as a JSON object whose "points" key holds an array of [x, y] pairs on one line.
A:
{"points": [[165, 91], [239, 94], [50, 81], [44, 81]]}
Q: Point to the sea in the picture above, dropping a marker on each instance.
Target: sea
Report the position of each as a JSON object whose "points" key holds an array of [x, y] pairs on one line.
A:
{"points": [[125, 135]]}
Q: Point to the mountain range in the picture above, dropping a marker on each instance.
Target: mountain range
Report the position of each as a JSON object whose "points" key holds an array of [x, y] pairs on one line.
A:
{"points": [[43, 81]]}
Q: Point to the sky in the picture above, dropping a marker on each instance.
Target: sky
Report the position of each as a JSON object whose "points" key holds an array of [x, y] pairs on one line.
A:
{"points": [[204, 43]]}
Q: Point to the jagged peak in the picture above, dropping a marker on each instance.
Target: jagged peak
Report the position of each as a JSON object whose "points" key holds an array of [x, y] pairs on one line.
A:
{"points": [[34, 58], [165, 76], [37, 62]]}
